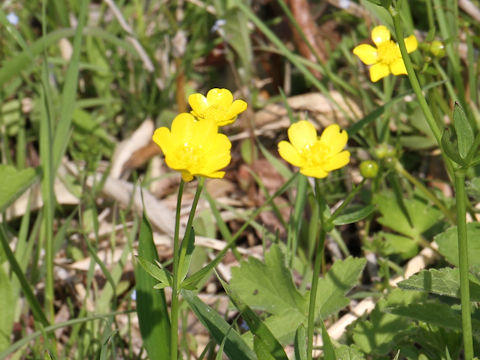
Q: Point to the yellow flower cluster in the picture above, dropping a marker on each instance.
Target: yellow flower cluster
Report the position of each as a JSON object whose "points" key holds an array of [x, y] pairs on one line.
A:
{"points": [[315, 156], [386, 57], [193, 146]]}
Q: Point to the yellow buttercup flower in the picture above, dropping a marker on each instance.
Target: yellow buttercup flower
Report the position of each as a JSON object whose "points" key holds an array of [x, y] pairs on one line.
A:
{"points": [[218, 105], [315, 156], [194, 148], [386, 57]]}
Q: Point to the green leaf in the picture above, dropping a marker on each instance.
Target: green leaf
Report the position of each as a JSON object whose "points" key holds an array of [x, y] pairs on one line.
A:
{"points": [[14, 183], [381, 332], [397, 244], [445, 282], [268, 286], [354, 214], [465, 135], [434, 313], [450, 146], [341, 277], [156, 271], [421, 214], [8, 309], [301, 343], [235, 347], [448, 245], [266, 346], [345, 352], [186, 250], [328, 349], [261, 349], [151, 304]]}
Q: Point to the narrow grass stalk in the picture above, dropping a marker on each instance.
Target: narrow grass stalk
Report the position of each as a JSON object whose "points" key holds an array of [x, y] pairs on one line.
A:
{"points": [[430, 195], [463, 263], [174, 303]]}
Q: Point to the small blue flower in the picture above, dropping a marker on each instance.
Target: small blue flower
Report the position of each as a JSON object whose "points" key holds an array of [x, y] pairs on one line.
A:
{"points": [[12, 18]]}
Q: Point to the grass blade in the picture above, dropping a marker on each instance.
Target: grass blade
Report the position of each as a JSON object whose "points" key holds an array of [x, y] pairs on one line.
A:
{"points": [[27, 291], [69, 93], [8, 308], [151, 304]]}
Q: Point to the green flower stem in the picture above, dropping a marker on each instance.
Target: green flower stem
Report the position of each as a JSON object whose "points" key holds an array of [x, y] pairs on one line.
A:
{"points": [[431, 196], [459, 177], [316, 268], [463, 263], [174, 303], [313, 292], [178, 258], [325, 224], [413, 77], [397, 22], [191, 216]]}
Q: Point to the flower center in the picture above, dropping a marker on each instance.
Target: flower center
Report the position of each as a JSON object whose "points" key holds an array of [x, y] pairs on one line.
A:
{"points": [[190, 156], [316, 155], [388, 52]]}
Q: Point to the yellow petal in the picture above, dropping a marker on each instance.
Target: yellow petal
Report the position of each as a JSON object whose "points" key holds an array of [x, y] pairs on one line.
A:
{"points": [[218, 155], [230, 116], [290, 154], [182, 128], [198, 103], [174, 162], [367, 54], [225, 122], [335, 138], [220, 97], [398, 67], [186, 176], [238, 107], [216, 163], [162, 138], [411, 43], [203, 132], [337, 161], [216, 175], [380, 34], [379, 71], [316, 172], [302, 134]]}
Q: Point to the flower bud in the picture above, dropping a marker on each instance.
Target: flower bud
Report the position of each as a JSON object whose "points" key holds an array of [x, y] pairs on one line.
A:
{"points": [[437, 48], [383, 151], [369, 169]]}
